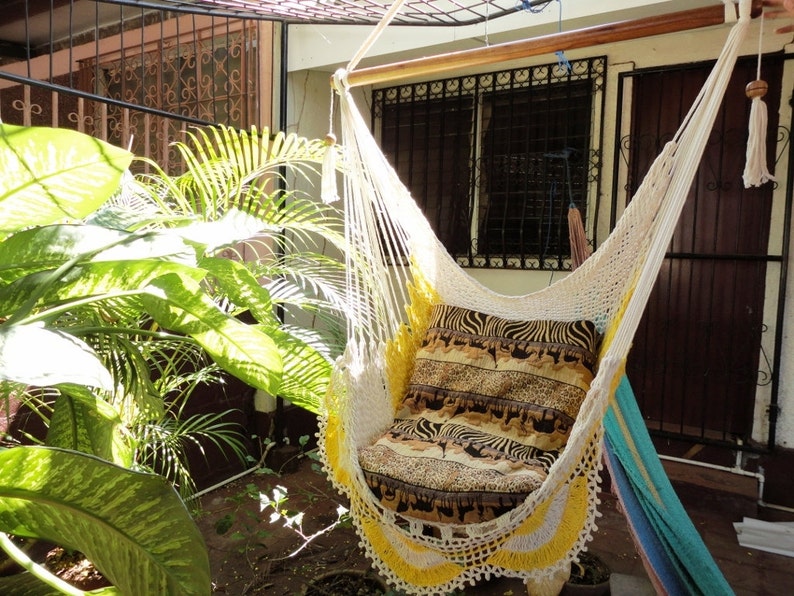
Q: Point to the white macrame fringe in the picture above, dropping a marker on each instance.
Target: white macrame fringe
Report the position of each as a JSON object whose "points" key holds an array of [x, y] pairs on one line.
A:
{"points": [[328, 188], [755, 169]]}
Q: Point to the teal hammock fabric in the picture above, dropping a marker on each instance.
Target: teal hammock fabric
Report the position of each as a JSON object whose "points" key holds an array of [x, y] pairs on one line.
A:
{"points": [[680, 563]]}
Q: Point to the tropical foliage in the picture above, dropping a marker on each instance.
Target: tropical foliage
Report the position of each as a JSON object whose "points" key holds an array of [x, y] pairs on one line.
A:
{"points": [[114, 305]]}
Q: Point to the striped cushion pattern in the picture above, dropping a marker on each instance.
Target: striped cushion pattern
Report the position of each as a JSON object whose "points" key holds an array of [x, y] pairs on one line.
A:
{"points": [[489, 406]]}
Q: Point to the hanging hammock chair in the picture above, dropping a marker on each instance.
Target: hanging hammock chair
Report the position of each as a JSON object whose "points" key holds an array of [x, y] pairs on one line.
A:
{"points": [[466, 426]]}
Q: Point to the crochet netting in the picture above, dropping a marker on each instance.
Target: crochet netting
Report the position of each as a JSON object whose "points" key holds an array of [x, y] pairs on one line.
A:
{"points": [[397, 269]]}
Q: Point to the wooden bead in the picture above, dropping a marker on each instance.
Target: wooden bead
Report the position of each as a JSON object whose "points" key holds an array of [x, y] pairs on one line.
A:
{"points": [[330, 138], [757, 88]]}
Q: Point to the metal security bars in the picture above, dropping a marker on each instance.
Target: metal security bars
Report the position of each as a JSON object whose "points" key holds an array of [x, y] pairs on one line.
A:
{"points": [[133, 76], [413, 12], [706, 357], [496, 160]]}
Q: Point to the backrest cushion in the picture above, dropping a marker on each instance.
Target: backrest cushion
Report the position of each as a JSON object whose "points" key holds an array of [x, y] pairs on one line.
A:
{"points": [[490, 404]]}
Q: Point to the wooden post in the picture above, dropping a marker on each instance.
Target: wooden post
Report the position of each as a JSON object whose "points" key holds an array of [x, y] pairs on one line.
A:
{"points": [[684, 20]]}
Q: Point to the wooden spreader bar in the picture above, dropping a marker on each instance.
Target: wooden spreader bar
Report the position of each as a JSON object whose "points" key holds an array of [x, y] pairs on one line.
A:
{"points": [[684, 20]]}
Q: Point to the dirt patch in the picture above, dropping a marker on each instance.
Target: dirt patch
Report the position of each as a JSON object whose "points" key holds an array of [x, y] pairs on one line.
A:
{"points": [[250, 554], [74, 568]]}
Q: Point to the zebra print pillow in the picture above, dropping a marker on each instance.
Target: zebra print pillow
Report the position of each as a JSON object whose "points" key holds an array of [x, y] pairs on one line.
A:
{"points": [[489, 406]]}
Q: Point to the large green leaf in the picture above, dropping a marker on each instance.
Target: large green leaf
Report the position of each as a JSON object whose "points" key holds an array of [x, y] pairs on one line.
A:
{"points": [[231, 227], [246, 352], [42, 357], [306, 372], [243, 289], [49, 247], [54, 174], [132, 526], [82, 421], [104, 280]]}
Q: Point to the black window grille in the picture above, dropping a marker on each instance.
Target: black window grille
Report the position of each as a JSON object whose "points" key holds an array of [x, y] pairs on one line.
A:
{"points": [[495, 160], [208, 75]]}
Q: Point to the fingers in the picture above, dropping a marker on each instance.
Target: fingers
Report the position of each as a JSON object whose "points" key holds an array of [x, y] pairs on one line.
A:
{"points": [[785, 4], [780, 9]]}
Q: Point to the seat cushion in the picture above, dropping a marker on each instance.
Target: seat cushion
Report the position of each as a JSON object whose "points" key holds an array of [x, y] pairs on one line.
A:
{"points": [[488, 408]]}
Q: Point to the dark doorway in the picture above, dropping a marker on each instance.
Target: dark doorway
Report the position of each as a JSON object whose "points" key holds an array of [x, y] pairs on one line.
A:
{"points": [[695, 361]]}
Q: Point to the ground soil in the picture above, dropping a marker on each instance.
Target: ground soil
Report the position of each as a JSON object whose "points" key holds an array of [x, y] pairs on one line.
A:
{"points": [[249, 554]]}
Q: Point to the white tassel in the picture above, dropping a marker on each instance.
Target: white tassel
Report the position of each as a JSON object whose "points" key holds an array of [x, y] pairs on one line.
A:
{"points": [[755, 170], [328, 190]]}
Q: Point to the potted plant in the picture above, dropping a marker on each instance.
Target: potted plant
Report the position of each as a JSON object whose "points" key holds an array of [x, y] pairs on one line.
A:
{"points": [[589, 576]]}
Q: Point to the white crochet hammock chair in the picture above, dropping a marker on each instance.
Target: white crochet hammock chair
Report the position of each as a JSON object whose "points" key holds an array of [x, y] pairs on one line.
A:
{"points": [[391, 297]]}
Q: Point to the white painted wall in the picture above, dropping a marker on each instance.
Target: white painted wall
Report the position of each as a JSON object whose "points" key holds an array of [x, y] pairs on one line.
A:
{"points": [[315, 52]]}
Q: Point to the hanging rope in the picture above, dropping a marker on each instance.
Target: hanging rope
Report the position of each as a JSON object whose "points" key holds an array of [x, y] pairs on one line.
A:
{"points": [[562, 60], [387, 18], [577, 237], [328, 188], [755, 169]]}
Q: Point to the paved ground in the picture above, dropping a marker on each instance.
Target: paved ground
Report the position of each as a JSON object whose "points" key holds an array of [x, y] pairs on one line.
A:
{"points": [[749, 572]]}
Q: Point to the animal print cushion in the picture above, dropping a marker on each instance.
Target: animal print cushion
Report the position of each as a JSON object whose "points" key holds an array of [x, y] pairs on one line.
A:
{"points": [[489, 406]]}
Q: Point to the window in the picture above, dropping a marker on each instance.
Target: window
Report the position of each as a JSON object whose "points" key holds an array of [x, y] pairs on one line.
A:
{"points": [[495, 160]]}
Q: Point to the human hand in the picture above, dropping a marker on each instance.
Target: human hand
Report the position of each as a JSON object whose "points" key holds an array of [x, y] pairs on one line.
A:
{"points": [[780, 9]]}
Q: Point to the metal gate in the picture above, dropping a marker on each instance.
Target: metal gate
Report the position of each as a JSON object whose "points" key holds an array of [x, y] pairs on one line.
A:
{"points": [[704, 362]]}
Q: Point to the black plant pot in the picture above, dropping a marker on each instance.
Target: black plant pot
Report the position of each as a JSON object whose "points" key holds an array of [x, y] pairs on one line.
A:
{"points": [[590, 577], [347, 582]]}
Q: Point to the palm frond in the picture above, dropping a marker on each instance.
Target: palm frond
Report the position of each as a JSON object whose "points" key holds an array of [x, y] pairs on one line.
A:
{"points": [[306, 372], [164, 443], [326, 337], [308, 280], [134, 207], [36, 400], [222, 162]]}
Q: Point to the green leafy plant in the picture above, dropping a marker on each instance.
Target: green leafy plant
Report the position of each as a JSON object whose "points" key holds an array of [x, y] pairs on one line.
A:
{"points": [[111, 514], [276, 272], [103, 293], [276, 504]]}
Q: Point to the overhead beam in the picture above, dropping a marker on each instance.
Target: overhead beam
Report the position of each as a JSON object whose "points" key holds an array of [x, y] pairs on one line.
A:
{"points": [[15, 51], [19, 10], [674, 22]]}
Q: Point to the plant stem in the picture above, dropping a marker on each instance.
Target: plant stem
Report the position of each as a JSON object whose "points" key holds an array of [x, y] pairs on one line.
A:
{"points": [[18, 555]]}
